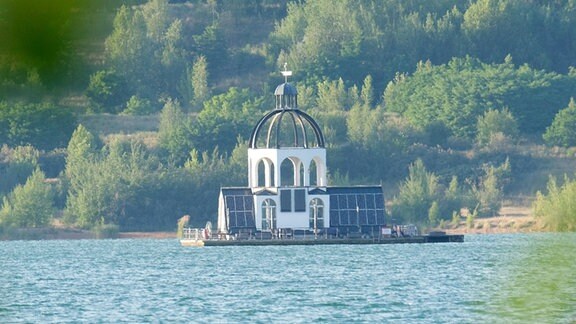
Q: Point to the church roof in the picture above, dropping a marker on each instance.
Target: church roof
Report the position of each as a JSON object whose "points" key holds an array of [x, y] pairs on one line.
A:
{"points": [[286, 128], [285, 89]]}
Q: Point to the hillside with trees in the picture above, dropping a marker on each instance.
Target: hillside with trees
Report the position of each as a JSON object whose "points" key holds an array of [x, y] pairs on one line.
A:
{"points": [[127, 115]]}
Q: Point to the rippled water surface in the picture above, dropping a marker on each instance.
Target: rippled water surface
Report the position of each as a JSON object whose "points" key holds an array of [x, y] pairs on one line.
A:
{"points": [[489, 278]]}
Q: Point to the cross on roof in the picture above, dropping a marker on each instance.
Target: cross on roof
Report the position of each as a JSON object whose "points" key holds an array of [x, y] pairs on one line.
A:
{"points": [[286, 73]]}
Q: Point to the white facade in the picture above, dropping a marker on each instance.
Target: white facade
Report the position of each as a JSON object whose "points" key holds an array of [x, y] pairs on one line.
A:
{"points": [[286, 173], [290, 172], [308, 167]]}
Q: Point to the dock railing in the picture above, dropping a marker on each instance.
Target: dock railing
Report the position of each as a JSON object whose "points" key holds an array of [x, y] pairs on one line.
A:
{"points": [[192, 234], [290, 234]]}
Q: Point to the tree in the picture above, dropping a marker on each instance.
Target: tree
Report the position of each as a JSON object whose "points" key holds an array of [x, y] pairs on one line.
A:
{"points": [[29, 205], [131, 54], [495, 122], [194, 86], [454, 198], [155, 14], [82, 148], [22, 161], [107, 91], [199, 80], [138, 106], [172, 53], [172, 59], [332, 96], [457, 93], [489, 192], [367, 94], [99, 189], [562, 131], [127, 47], [224, 118], [433, 213], [43, 125], [174, 131], [210, 171], [127, 187], [557, 207], [212, 45], [417, 193]]}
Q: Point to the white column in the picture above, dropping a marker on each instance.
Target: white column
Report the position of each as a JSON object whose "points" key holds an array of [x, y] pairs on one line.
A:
{"points": [[267, 173], [296, 167]]}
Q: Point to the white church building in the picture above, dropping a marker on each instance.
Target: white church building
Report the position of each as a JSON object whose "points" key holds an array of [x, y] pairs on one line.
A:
{"points": [[287, 182]]}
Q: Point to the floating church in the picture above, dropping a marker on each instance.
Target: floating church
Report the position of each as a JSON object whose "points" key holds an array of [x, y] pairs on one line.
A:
{"points": [[288, 189]]}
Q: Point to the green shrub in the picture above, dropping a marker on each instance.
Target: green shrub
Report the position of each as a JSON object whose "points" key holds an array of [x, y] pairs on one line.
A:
{"points": [[29, 205], [562, 131], [416, 195], [433, 213], [107, 90], [495, 124], [557, 208], [455, 218], [470, 220], [138, 106], [43, 125], [105, 231]]}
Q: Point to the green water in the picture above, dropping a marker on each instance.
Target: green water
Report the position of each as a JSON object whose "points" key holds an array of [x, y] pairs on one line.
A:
{"points": [[489, 278]]}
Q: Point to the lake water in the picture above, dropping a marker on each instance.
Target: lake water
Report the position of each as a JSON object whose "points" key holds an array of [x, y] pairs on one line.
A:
{"points": [[489, 278]]}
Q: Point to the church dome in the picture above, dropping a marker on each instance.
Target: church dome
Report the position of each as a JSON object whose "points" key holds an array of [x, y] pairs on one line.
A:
{"points": [[286, 128], [285, 89]]}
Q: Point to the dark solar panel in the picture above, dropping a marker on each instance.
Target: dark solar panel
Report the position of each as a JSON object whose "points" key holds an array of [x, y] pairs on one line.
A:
{"points": [[229, 201], [334, 201], [370, 202], [356, 206], [248, 202], [353, 216], [379, 201], [342, 202], [361, 201], [362, 217], [334, 218], [371, 216], [381, 217], [351, 201], [239, 207]]}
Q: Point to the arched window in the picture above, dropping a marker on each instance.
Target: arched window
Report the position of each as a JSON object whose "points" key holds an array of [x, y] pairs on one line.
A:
{"points": [[268, 215], [265, 173], [313, 172], [316, 214], [287, 173], [261, 174]]}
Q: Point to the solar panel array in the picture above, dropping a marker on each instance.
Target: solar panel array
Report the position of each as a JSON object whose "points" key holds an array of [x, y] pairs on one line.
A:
{"points": [[349, 206], [357, 208], [239, 206]]}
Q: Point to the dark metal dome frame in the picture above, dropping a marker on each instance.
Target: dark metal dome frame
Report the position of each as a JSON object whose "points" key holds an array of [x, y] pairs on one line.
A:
{"points": [[298, 119]]}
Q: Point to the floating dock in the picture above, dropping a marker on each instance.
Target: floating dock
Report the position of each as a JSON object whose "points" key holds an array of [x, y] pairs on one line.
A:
{"points": [[435, 237]]}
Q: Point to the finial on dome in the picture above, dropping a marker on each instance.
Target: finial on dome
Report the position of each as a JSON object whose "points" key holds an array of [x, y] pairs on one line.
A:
{"points": [[286, 73]]}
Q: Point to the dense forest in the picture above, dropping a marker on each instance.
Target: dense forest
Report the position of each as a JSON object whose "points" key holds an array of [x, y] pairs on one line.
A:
{"points": [[130, 114]]}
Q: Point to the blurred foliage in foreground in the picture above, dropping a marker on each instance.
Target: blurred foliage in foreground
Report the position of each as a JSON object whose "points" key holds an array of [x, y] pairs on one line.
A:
{"points": [[538, 285], [558, 206]]}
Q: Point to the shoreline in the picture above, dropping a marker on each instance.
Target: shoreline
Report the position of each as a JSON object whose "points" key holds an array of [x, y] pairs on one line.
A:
{"points": [[38, 234], [506, 224], [498, 225]]}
